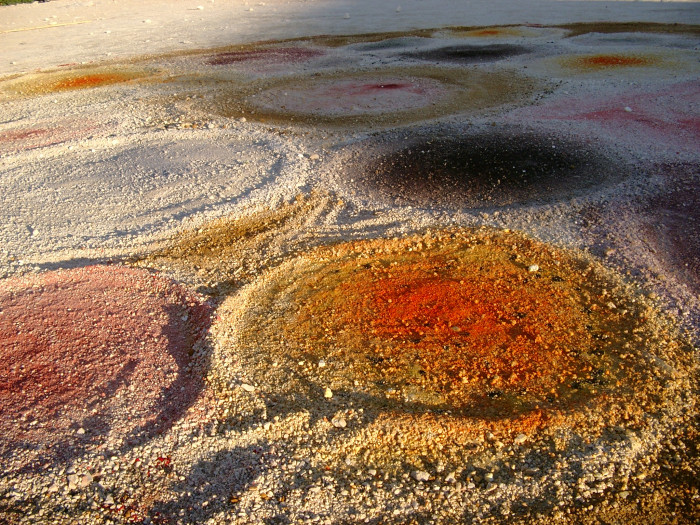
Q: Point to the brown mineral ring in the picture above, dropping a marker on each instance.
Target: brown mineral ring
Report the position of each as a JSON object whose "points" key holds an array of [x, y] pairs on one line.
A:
{"points": [[454, 334]]}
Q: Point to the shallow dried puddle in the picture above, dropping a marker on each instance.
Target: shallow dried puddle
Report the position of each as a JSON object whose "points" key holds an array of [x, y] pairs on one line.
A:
{"points": [[391, 96], [469, 53], [76, 343], [458, 169], [461, 329], [77, 79]]}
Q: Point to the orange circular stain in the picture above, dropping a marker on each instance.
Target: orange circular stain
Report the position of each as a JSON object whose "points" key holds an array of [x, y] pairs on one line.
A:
{"points": [[482, 325], [467, 328], [610, 61], [88, 81], [443, 337]]}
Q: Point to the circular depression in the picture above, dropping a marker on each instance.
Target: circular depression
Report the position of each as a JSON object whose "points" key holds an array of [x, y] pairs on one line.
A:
{"points": [[391, 96], [450, 333], [476, 168], [102, 349], [468, 54], [61, 81]]}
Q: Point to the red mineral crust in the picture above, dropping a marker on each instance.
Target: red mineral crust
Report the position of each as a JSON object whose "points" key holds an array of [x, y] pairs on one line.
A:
{"points": [[99, 348]]}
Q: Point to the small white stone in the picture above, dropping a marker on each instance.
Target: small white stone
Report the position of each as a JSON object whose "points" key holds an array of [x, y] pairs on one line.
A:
{"points": [[420, 475], [520, 439], [398, 9], [346, 16], [339, 422], [247, 387], [86, 480], [328, 393], [321, 363], [628, 109], [81, 431], [611, 305], [533, 268], [314, 156], [72, 481], [242, 119]]}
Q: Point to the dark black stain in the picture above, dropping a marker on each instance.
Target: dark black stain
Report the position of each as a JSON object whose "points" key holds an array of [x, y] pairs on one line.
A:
{"points": [[469, 53], [482, 170]]}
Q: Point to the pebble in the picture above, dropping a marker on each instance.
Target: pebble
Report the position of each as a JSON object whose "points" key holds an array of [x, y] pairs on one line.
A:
{"points": [[86, 480], [315, 156], [72, 481], [81, 431], [339, 422], [328, 393], [533, 268], [520, 439], [247, 387], [420, 475]]}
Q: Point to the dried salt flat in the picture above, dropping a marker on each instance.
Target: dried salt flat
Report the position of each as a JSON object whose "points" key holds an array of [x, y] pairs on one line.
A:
{"points": [[276, 177]]}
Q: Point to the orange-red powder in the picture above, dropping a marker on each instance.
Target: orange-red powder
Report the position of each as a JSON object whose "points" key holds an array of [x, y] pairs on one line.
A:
{"points": [[88, 81], [470, 328], [606, 61]]}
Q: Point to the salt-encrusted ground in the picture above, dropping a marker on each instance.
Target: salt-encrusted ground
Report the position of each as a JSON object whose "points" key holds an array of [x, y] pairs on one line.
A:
{"points": [[314, 207]]}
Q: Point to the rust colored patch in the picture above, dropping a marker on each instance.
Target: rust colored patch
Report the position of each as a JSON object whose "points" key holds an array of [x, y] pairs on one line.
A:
{"points": [[103, 348], [64, 81], [491, 32], [464, 323], [610, 61], [466, 328], [16, 135], [88, 81], [451, 335]]}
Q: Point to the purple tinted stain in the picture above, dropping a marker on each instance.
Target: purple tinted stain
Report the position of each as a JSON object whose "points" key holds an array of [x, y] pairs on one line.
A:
{"points": [[275, 55], [375, 88]]}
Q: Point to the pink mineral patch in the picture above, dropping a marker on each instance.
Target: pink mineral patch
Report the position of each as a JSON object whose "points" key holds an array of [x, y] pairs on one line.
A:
{"points": [[354, 97], [666, 117], [370, 89], [102, 348], [44, 134]]}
